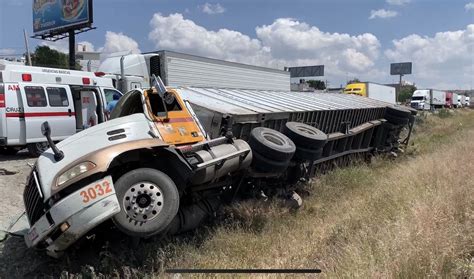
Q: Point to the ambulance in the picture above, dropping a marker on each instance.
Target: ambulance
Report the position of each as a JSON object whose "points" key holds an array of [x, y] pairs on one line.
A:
{"points": [[69, 100]]}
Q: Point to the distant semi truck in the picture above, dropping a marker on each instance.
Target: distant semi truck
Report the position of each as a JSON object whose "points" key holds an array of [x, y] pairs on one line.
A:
{"points": [[426, 99], [451, 100], [372, 90]]}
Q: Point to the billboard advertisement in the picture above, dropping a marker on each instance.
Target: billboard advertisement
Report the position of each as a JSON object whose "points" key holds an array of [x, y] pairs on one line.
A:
{"points": [[306, 71], [50, 16], [400, 68]]}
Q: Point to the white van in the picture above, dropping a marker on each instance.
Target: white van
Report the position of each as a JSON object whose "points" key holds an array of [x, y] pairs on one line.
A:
{"points": [[69, 100]]}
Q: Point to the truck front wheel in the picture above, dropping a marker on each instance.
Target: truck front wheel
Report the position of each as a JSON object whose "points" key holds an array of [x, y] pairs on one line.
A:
{"points": [[149, 200]]}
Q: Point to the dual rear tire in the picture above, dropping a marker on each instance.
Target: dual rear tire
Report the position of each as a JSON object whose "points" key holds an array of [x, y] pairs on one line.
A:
{"points": [[271, 150]]}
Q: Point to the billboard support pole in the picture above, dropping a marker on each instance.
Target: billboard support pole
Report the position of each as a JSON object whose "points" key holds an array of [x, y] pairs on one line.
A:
{"points": [[72, 50], [399, 88]]}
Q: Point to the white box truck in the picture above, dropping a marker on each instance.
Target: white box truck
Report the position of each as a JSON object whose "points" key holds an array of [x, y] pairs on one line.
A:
{"points": [[372, 90], [461, 101], [426, 99], [178, 69]]}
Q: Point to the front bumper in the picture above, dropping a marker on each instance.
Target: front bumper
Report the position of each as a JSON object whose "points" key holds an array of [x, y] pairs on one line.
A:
{"points": [[73, 216]]}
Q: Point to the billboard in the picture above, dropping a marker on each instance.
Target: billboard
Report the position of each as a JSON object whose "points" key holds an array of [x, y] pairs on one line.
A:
{"points": [[306, 71], [400, 68], [57, 16]]}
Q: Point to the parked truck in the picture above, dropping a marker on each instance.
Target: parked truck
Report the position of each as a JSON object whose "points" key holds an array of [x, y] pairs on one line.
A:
{"points": [[171, 156], [372, 90], [427, 99], [461, 100], [451, 100], [179, 69]]}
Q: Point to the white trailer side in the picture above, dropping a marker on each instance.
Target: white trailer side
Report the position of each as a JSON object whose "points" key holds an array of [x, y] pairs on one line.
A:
{"points": [[438, 97], [381, 92]]}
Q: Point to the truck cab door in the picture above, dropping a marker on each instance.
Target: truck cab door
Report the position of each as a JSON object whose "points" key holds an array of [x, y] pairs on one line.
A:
{"points": [[47, 103]]}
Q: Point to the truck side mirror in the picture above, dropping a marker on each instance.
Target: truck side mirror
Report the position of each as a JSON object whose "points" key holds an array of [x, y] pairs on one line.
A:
{"points": [[45, 129]]}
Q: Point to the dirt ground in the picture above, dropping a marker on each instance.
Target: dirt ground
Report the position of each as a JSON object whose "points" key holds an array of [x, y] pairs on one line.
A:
{"points": [[13, 173]]}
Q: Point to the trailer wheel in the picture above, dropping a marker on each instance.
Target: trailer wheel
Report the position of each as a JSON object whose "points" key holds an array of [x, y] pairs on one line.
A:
{"points": [[265, 165], [396, 119], [305, 135], [36, 149], [308, 154], [398, 111], [271, 144], [149, 200]]}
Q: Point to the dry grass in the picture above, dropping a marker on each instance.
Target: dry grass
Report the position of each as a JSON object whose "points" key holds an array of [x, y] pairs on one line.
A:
{"points": [[412, 217]]}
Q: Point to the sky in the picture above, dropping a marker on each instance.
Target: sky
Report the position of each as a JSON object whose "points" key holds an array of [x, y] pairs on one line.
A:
{"points": [[352, 38]]}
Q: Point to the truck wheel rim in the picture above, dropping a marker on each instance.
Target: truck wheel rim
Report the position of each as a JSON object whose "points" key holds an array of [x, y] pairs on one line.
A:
{"points": [[143, 201], [41, 146]]}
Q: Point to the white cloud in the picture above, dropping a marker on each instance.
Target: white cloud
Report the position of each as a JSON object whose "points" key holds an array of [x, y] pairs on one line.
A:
{"points": [[398, 2], [382, 13], [61, 45], [7, 51], [212, 9], [445, 60], [285, 42], [469, 6], [118, 42]]}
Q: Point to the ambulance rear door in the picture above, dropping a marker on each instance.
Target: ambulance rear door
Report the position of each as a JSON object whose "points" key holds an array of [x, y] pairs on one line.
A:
{"points": [[52, 103]]}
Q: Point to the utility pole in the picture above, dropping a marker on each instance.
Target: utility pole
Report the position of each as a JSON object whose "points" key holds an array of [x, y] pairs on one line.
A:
{"points": [[28, 56], [72, 50]]}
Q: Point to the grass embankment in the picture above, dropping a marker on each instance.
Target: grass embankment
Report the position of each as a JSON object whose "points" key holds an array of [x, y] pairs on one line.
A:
{"points": [[409, 217]]}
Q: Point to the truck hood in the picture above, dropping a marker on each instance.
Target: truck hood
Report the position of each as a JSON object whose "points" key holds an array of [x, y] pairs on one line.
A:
{"points": [[134, 127]]}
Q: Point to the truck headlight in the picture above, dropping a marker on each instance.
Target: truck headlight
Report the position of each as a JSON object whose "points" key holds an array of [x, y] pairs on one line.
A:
{"points": [[74, 171]]}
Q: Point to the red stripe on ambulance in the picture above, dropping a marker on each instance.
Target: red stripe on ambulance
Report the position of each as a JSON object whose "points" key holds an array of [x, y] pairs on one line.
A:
{"points": [[38, 114]]}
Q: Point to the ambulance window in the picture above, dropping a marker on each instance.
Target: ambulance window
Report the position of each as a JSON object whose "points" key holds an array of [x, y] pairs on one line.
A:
{"points": [[35, 96], [57, 97], [109, 94]]}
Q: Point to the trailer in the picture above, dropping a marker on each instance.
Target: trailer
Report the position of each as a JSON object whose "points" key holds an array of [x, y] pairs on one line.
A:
{"points": [[179, 69], [373, 90], [171, 156]]}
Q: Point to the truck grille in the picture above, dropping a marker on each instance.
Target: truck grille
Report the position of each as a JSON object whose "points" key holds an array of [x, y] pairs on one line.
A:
{"points": [[33, 200]]}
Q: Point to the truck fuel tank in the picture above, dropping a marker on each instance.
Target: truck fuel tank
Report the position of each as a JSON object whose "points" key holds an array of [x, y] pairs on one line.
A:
{"points": [[230, 165]]}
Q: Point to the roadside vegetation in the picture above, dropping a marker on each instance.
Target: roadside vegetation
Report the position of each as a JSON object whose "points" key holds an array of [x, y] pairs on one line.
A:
{"points": [[408, 217], [411, 217]]}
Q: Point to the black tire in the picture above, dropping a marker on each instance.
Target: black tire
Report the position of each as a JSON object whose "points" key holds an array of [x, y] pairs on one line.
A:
{"points": [[397, 111], [162, 209], [396, 120], [265, 165], [271, 144], [7, 150], [308, 154], [36, 149], [305, 135]]}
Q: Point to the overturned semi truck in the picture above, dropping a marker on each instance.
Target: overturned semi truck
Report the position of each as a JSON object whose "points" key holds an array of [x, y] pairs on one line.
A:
{"points": [[170, 157]]}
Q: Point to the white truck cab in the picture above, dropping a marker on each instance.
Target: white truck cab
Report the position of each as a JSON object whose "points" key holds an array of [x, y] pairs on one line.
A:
{"points": [[69, 100], [420, 100]]}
